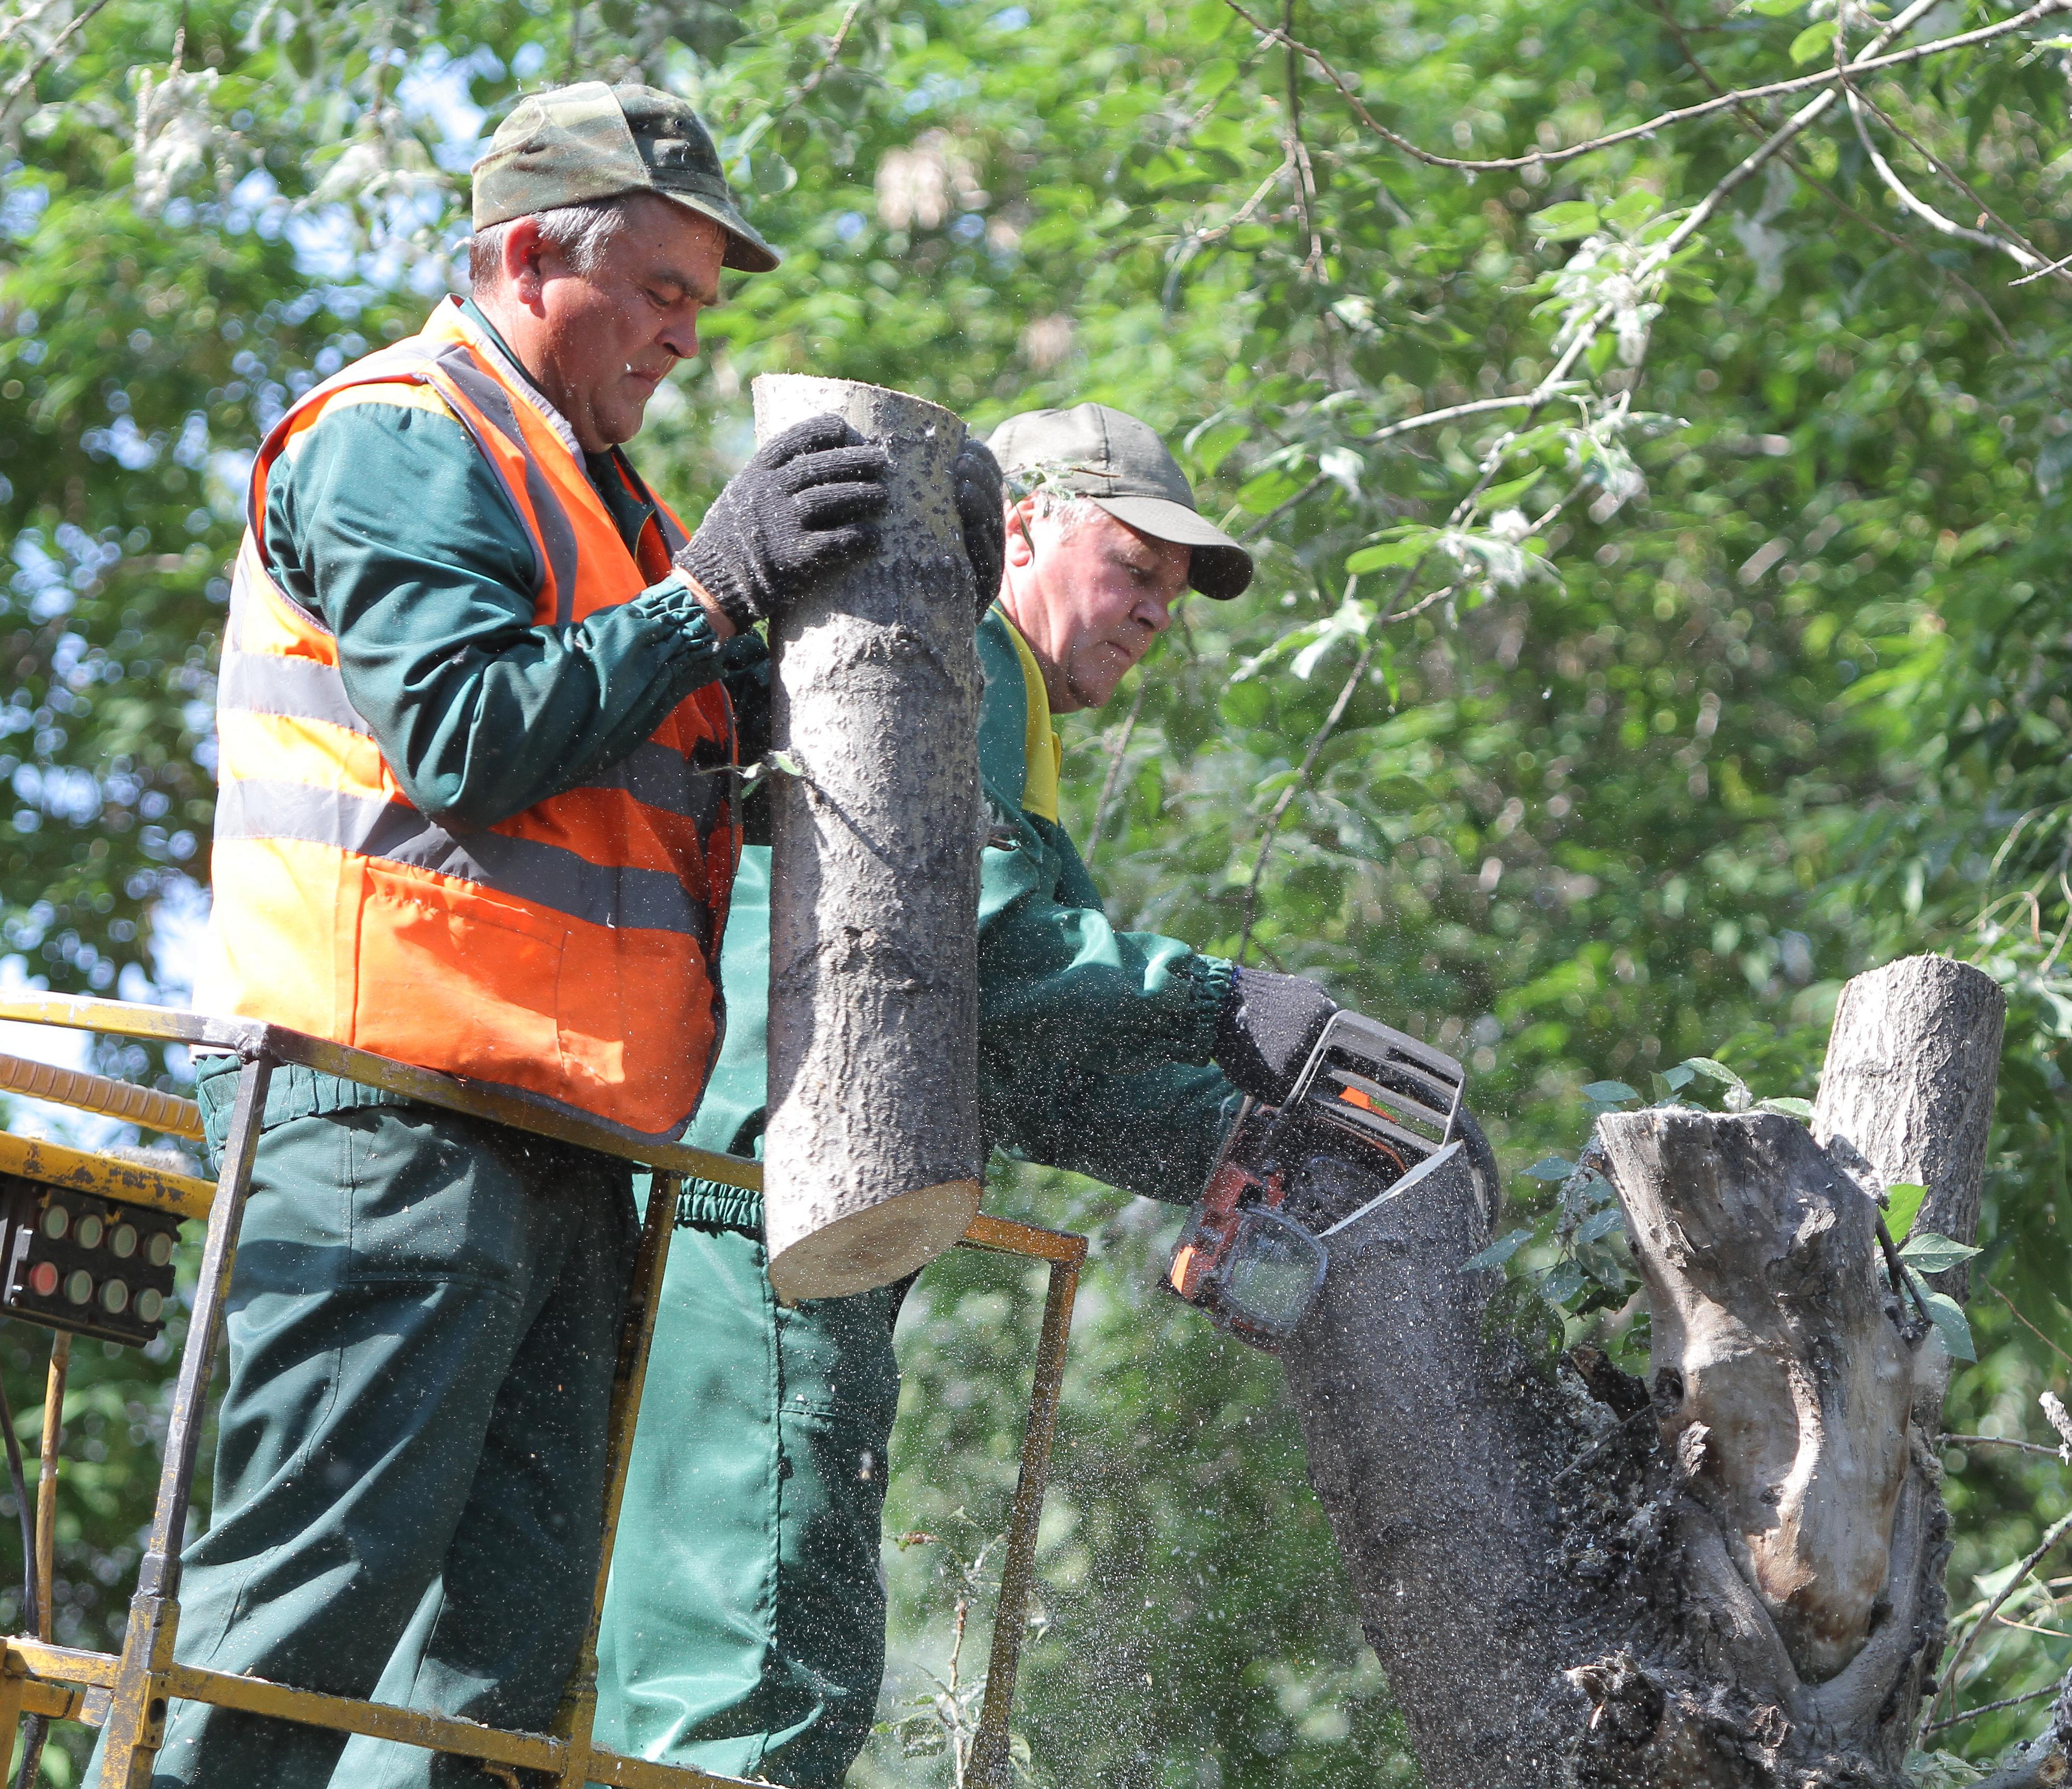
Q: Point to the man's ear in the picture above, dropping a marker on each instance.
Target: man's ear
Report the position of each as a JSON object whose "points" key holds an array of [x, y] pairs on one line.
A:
{"points": [[1020, 547], [523, 248]]}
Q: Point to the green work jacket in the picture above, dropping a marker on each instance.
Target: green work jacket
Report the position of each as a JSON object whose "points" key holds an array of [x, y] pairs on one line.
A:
{"points": [[1093, 1042]]}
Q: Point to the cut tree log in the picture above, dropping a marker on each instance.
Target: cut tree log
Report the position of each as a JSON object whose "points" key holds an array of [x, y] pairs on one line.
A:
{"points": [[872, 1160], [1730, 1573]]}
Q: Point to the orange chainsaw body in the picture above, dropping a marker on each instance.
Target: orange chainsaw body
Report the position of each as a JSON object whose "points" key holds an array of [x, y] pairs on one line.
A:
{"points": [[1370, 1106]]}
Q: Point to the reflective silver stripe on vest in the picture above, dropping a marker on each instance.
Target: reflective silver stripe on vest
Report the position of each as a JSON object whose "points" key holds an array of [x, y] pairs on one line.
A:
{"points": [[526, 869], [302, 689], [403, 360], [656, 777], [557, 534]]}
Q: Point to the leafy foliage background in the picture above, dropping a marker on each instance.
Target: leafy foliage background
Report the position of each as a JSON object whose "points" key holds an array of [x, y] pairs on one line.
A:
{"points": [[1752, 677]]}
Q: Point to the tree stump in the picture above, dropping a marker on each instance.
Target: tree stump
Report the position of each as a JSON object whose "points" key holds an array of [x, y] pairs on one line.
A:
{"points": [[872, 1161], [1728, 1574]]}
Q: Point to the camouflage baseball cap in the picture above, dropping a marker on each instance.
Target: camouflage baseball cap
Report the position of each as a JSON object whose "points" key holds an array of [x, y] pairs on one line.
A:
{"points": [[572, 146], [1119, 464]]}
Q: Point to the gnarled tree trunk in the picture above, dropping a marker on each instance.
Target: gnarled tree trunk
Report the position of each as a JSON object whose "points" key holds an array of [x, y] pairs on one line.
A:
{"points": [[1730, 1573]]}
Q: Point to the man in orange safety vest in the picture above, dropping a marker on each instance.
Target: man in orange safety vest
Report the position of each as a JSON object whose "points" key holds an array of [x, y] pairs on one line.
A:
{"points": [[471, 719]]}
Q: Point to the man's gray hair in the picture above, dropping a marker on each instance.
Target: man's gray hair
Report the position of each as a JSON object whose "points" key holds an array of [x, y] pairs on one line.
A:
{"points": [[581, 232], [1066, 510]]}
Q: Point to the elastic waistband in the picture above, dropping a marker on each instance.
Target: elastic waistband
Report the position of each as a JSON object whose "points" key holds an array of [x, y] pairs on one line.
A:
{"points": [[293, 1093], [709, 1205]]}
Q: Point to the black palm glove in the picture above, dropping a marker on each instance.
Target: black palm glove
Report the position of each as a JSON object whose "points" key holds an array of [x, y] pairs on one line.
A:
{"points": [[1267, 1029], [982, 508], [804, 506]]}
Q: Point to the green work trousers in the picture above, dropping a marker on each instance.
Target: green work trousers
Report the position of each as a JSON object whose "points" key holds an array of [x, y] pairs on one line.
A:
{"points": [[422, 1326], [745, 1629]]}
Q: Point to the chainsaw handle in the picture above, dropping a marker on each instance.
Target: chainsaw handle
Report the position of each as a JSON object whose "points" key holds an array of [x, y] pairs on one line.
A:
{"points": [[1481, 1164]]}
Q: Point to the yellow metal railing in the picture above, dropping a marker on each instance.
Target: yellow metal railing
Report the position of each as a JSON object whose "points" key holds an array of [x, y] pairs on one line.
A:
{"points": [[129, 1692]]}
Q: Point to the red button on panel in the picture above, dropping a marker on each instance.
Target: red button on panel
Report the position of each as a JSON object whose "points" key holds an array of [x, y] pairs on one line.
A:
{"points": [[43, 1279]]}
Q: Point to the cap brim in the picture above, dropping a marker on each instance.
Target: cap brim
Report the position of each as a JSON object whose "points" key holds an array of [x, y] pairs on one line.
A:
{"points": [[1219, 567], [746, 252]]}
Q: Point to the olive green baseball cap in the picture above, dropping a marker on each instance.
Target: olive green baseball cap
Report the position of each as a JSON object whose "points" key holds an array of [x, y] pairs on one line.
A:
{"points": [[572, 145], [1120, 464]]}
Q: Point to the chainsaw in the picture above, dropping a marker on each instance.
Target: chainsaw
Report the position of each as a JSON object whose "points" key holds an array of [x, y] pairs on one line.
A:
{"points": [[1372, 1112]]}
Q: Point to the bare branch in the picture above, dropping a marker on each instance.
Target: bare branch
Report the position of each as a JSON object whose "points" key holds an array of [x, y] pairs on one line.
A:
{"points": [[1950, 1440], [1298, 151], [1114, 777], [834, 49], [2052, 1535], [24, 18], [1920, 208], [1431, 419], [1421, 605], [1987, 214], [1754, 121], [1869, 63], [1199, 239], [1958, 1719], [1317, 743], [2026, 1324], [29, 74], [2042, 271]]}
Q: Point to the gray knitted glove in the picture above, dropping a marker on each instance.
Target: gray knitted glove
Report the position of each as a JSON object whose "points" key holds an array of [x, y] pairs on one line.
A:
{"points": [[982, 508], [1267, 1029], [804, 506]]}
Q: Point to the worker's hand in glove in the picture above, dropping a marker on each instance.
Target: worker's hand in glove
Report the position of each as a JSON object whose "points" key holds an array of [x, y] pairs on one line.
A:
{"points": [[1268, 1027], [807, 504], [982, 508]]}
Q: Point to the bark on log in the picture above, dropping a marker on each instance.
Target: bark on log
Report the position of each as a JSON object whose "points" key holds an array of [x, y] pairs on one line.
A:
{"points": [[1778, 1363], [1452, 1539], [1729, 1574], [872, 1158], [1909, 1080]]}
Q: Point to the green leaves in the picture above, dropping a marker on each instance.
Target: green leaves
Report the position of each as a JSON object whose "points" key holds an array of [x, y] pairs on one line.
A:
{"points": [[1814, 41], [1566, 221], [1930, 1253], [1901, 1203], [1951, 1325], [1499, 1251]]}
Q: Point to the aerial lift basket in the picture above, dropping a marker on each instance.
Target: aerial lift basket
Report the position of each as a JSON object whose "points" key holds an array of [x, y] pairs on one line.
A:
{"points": [[86, 1248]]}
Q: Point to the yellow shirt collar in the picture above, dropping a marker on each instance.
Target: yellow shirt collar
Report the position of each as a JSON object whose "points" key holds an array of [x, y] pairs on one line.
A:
{"points": [[1043, 752]]}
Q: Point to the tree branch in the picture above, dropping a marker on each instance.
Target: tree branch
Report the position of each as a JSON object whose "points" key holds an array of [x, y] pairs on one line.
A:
{"points": [[1198, 239], [2055, 1532], [1947, 1439], [1920, 208], [2011, 240], [1298, 151], [1958, 1719], [1114, 758], [43, 61], [1755, 123], [1316, 742], [834, 49], [23, 19], [1867, 63]]}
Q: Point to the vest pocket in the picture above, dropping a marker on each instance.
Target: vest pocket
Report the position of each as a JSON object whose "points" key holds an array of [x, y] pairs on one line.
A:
{"points": [[470, 983], [635, 1024]]}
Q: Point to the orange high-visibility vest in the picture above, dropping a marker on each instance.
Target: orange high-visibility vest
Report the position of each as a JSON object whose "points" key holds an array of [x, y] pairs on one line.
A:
{"points": [[568, 951]]}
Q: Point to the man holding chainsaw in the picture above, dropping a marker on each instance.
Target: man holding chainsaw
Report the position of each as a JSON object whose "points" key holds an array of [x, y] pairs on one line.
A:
{"points": [[745, 1630]]}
